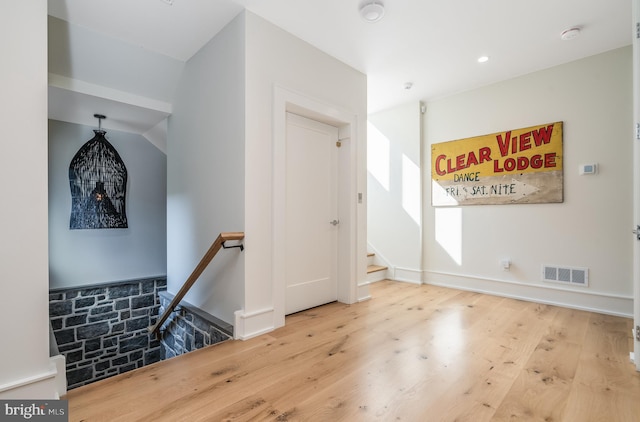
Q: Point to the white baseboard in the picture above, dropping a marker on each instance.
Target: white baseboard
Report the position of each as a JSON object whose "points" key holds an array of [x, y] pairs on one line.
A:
{"points": [[51, 384], [363, 291], [585, 300], [407, 275], [252, 324], [61, 377], [396, 273]]}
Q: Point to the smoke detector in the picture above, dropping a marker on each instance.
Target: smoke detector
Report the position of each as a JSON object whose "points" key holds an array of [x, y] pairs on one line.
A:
{"points": [[569, 34], [372, 11]]}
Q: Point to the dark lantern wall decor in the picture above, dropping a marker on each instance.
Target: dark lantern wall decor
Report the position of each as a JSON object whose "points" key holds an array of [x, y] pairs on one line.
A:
{"points": [[98, 182]]}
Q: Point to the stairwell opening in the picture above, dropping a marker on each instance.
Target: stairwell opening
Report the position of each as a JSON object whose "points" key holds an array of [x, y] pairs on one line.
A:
{"points": [[103, 330]]}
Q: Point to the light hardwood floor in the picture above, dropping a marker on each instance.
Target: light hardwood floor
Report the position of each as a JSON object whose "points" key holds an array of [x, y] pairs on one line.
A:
{"points": [[412, 353]]}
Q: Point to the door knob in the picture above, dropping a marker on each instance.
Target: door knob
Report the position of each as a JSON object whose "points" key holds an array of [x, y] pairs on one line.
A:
{"points": [[334, 222]]}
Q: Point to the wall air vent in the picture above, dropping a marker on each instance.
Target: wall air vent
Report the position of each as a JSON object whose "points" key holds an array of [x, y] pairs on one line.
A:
{"points": [[566, 275]]}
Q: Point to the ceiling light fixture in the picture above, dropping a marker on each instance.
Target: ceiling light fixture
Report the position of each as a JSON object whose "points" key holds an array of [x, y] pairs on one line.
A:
{"points": [[372, 11], [483, 59], [569, 34]]}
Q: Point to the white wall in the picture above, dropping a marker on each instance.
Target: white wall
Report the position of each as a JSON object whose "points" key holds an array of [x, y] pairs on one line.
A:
{"points": [[395, 190], [276, 59], [205, 171], [81, 257], [592, 228], [83, 54], [25, 369]]}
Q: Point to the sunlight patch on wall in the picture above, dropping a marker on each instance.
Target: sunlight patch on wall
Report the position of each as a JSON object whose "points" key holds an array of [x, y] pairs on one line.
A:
{"points": [[378, 155], [411, 198], [448, 227]]}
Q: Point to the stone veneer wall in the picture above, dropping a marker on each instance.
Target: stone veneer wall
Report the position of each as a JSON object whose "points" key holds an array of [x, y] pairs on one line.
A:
{"points": [[189, 328], [102, 330]]}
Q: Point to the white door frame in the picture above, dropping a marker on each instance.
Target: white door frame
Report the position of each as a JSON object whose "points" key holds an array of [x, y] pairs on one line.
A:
{"points": [[285, 101], [636, 177]]}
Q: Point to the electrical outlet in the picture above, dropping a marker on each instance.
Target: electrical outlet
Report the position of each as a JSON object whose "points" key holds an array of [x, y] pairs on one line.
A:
{"points": [[506, 264]]}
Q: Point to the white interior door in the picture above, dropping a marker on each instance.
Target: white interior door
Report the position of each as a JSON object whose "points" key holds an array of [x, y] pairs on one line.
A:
{"points": [[312, 221], [636, 177]]}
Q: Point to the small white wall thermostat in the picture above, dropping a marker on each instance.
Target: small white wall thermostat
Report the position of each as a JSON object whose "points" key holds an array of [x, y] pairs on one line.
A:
{"points": [[588, 169]]}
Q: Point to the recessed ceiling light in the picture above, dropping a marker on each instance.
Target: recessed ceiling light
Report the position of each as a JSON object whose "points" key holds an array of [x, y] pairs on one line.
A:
{"points": [[569, 34], [483, 59], [372, 11]]}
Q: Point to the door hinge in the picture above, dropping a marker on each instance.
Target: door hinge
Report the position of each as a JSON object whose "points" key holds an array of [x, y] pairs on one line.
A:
{"points": [[637, 232], [637, 130], [637, 29], [638, 332]]}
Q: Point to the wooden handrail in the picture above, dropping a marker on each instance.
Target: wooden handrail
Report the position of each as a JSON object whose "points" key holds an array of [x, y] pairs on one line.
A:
{"points": [[206, 259]]}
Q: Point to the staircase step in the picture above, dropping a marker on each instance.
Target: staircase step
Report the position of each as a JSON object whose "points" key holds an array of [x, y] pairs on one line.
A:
{"points": [[370, 258], [375, 268]]}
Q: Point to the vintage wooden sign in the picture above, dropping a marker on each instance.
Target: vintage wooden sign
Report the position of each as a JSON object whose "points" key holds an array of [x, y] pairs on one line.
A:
{"points": [[519, 166]]}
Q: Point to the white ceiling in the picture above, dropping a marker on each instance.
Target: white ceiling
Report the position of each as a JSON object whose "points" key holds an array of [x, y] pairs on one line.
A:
{"points": [[434, 44]]}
